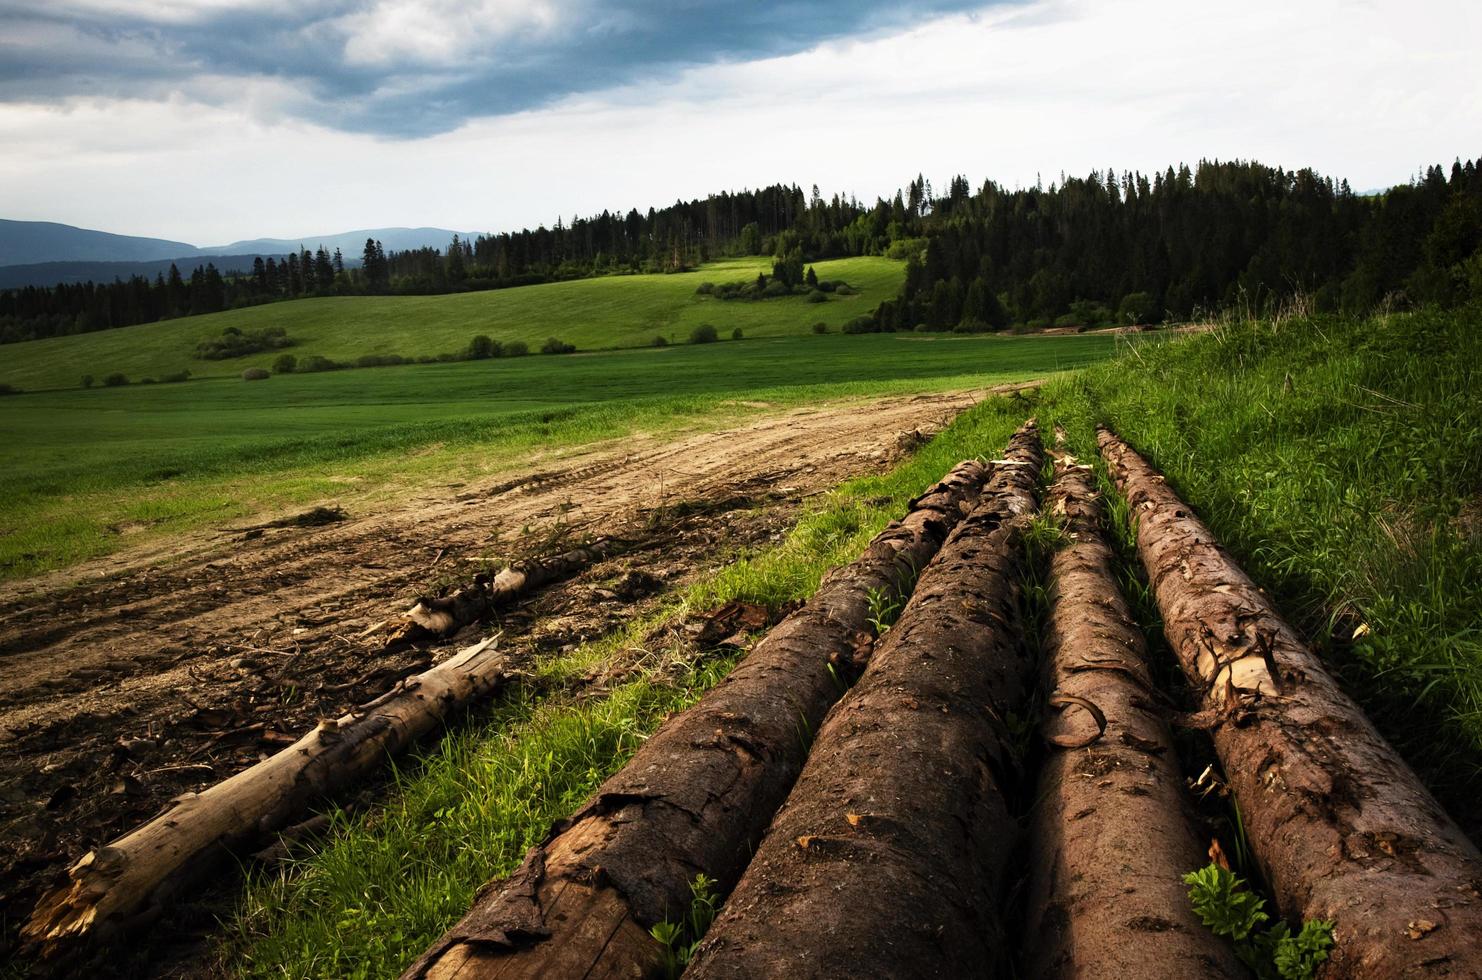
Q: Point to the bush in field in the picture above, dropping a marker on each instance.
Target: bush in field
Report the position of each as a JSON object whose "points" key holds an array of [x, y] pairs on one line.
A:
{"points": [[554, 345], [284, 364], [736, 334], [176, 378], [705, 288], [256, 374], [704, 334], [843, 289], [235, 343], [116, 380], [659, 341], [87, 380], [973, 325], [820, 327], [777, 288], [817, 296], [516, 348], [483, 347], [1138, 308], [379, 360], [315, 363], [861, 324], [6, 389]]}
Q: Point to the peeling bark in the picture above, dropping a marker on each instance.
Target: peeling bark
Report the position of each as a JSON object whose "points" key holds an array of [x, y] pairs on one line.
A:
{"points": [[698, 794], [1113, 835], [888, 858], [441, 616], [1341, 826], [129, 880]]}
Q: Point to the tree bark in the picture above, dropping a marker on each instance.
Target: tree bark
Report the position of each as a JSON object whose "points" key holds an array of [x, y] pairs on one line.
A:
{"points": [[1341, 826], [698, 794], [1112, 832], [129, 880], [888, 859], [440, 616]]}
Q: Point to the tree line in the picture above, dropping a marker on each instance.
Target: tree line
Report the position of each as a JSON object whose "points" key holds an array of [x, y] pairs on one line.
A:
{"points": [[1105, 248], [1137, 249]]}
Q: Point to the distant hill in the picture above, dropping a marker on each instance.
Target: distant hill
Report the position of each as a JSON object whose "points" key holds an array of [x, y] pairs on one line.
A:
{"points": [[51, 273], [351, 243], [28, 246], [46, 241]]}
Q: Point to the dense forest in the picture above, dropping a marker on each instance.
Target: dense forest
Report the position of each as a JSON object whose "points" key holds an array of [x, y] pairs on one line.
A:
{"points": [[1130, 249], [1087, 251]]}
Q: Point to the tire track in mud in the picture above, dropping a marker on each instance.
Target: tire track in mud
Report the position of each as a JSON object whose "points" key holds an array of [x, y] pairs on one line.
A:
{"points": [[153, 667]]}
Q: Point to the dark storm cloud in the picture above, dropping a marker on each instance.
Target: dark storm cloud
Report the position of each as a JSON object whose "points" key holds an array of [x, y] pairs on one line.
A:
{"points": [[405, 68]]}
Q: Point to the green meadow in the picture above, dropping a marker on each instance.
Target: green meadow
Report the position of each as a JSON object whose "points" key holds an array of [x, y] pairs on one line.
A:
{"points": [[593, 314], [85, 472]]}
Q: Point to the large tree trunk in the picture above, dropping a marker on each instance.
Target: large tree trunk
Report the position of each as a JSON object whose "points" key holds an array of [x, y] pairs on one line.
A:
{"points": [[130, 879], [698, 794], [1112, 831], [1341, 826], [888, 858]]}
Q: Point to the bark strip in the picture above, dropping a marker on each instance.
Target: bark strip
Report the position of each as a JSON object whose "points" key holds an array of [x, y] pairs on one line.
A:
{"points": [[1341, 826], [1113, 835], [698, 795], [441, 616], [888, 858], [128, 881]]}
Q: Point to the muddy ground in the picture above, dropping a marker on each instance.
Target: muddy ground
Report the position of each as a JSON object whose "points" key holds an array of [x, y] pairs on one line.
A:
{"points": [[148, 674]]}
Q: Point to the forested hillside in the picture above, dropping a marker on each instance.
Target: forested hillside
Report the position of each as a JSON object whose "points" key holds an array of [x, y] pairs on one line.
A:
{"points": [[1087, 251]]}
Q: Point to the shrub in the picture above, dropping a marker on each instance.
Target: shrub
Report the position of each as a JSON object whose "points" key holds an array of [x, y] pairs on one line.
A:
{"points": [[6, 389], [1067, 320], [234, 343], [483, 347], [379, 360], [284, 364], [844, 289], [861, 324], [516, 348], [826, 285], [554, 345], [776, 288], [176, 378], [87, 380], [972, 325], [255, 374], [704, 334], [315, 363], [815, 296], [736, 334], [820, 327], [116, 380], [147, 381], [658, 341], [705, 289]]}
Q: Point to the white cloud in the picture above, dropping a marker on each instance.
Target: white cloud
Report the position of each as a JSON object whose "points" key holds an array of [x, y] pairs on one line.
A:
{"points": [[430, 32], [1369, 92]]}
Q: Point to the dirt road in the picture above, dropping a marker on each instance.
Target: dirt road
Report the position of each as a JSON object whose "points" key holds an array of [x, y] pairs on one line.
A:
{"points": [[151, 673]]}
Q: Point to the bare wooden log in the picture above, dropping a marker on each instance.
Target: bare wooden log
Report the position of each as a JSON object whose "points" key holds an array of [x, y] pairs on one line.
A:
{"points": [[130, 880], [698, 794], [433, 617], [1112, 832], [888, 858], [1341, 826]]}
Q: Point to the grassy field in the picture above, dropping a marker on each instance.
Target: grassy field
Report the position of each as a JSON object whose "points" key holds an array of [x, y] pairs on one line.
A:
{"points": [[85, 472], [1339, 460], [593, 314]]}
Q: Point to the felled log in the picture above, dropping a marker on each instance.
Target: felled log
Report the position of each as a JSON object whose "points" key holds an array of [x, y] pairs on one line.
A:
{"points": [[1111, 829], [1341, 826], [131, 879], [889, 857], [698, 794], [433, 617]]}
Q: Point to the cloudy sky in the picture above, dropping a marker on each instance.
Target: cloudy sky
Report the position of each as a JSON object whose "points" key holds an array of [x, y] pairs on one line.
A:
{"points": [[214, 120]]}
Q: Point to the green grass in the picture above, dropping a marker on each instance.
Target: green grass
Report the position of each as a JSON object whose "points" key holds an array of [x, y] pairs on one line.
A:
{"points": [[83, 473], [593, 314], [1353, 490]]}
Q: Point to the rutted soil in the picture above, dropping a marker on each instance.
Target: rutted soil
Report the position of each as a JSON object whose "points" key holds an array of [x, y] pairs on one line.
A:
{"points": [[154, 673]]}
